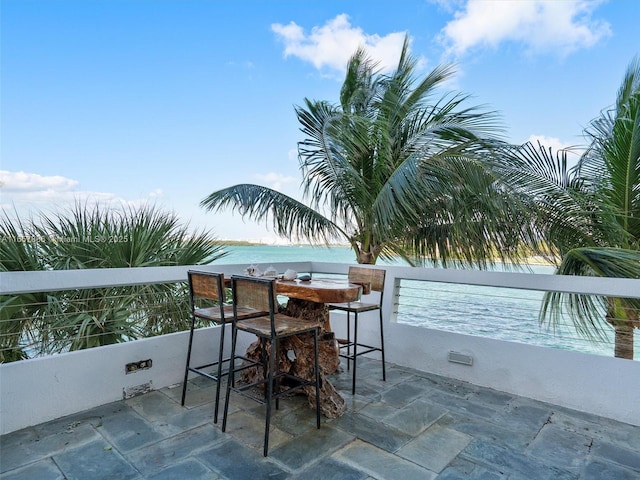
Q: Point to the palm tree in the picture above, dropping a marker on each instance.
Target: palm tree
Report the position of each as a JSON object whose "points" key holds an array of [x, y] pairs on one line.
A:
{"points": [[18, 251], [393, 170], [590, 214], [96, 237]]}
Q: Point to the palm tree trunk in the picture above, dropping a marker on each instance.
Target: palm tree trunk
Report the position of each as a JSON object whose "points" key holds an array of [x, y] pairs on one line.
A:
{"points": [[363, 255], [624, 340], [624, 319], [365, 258]]}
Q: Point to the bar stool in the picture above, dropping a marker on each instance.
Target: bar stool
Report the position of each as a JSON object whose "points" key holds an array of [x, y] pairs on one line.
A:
{"points": [[260, 294], [207, 302], [372, 279]]}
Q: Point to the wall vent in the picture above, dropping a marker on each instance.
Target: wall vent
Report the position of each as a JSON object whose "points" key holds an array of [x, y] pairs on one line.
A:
{"points": [[456, 357], [129, 392]]}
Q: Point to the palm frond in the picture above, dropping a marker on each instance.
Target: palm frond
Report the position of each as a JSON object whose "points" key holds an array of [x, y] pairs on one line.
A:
{"points": [[384, 162], [96, 237], [588, 312], [19, 245], [289, 217], [611, 165]]}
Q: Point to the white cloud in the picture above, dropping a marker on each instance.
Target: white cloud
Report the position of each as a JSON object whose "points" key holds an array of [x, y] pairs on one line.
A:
{"points": [[573, 152], [32, 182], [332, 44], [557, 144], [27, 193], [540, 25], [276, 181], [248, 64], [552, 142]]}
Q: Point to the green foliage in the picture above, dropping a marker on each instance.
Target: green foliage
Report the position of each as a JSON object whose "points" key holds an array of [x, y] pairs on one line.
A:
{"points": [[95, 237], [19, 250], [590, 214], [588, 312], [395, 169]]}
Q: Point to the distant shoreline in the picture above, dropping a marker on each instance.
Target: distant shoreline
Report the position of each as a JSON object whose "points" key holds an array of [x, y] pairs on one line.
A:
{"points": [[532, 260], [254, 243]]}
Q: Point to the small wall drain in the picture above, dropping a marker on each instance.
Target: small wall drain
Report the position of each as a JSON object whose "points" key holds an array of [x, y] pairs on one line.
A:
{"points": [[461, 358]]}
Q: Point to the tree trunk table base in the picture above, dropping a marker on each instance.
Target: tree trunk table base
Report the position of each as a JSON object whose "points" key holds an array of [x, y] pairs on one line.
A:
{"points": [[295, 355]]}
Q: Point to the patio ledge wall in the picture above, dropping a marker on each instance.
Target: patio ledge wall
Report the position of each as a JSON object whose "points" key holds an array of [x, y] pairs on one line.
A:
{"points": [[37, 390]]}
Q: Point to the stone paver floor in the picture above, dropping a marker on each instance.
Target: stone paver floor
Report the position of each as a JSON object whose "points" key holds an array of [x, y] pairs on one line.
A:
{"points": [[413, 426]]}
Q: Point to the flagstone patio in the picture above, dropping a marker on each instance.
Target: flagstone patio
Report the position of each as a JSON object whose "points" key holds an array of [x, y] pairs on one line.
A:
{"points": [[413, 426]]}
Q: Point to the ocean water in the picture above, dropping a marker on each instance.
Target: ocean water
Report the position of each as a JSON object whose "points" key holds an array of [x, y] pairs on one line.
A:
{"points": [[500, 313], [263, 255]]}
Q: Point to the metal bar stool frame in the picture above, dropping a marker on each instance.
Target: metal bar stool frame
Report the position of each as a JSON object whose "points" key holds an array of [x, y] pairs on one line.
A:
{"points": [[209, 287], [260, 293], [372, 279]]}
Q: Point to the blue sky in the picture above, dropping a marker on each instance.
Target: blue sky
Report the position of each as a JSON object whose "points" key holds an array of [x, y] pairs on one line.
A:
{"points": [[165, 101]]}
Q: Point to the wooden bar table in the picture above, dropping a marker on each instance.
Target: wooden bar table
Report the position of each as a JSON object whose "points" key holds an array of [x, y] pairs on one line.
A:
{"points": [[307, 300]]}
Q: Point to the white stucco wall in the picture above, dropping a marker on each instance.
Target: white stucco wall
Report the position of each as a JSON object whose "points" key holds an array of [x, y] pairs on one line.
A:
{"points": [[42, 389], [37, 390], [590, 383]]}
